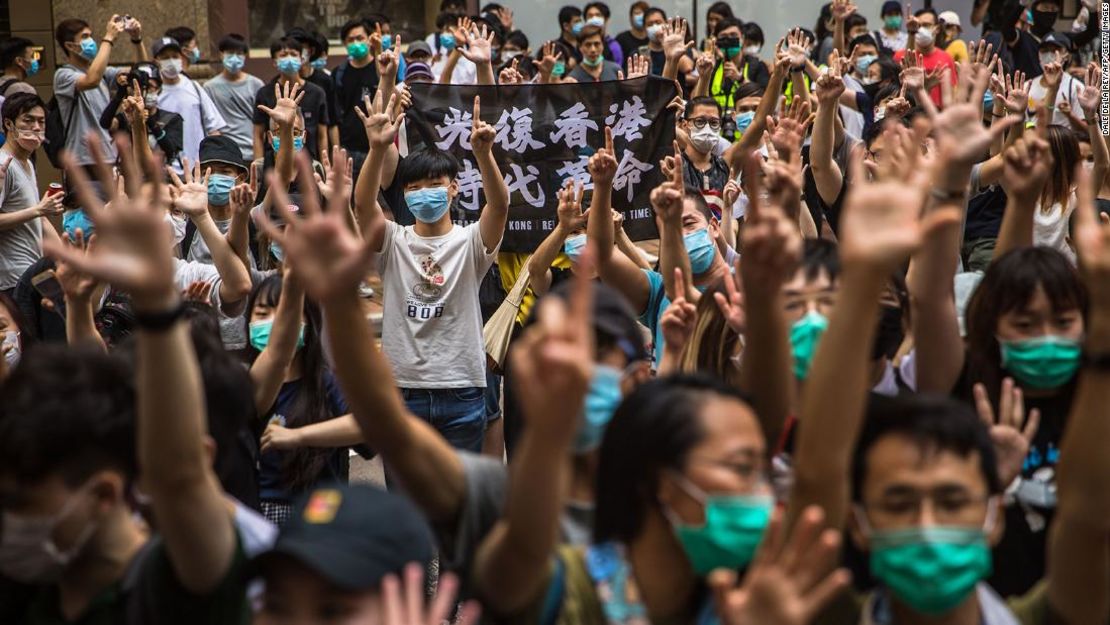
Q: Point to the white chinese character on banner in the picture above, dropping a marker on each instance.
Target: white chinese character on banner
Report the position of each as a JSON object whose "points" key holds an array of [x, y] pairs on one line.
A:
{"points": [[470, 183], [456, 128], [628, 122], [519, 181], [576, 170], [572, 126], [629, 173], [514, 131]]}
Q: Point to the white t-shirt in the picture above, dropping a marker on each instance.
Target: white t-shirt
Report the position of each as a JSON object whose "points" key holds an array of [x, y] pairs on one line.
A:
{"points": [[1050, 228], [466, 72], [1068, 92], [198, 111], [232, 330], [432, 322]]}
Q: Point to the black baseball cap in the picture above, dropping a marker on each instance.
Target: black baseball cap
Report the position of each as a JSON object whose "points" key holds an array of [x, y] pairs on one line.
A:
{"points": [[1060, 40], [221, 149], [352, 536], [613, 317], [164, 43]]}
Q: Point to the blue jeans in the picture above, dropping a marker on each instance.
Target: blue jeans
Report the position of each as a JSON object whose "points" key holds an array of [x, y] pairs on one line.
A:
{"points": [[458, 414]]}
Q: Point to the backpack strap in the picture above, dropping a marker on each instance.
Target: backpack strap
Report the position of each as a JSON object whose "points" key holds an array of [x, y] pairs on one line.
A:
{"points": [[7, 83], [187, 242], [339, 71], [553, 599]]}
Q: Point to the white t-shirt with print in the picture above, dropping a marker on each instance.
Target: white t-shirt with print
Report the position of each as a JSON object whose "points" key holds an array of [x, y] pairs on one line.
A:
{"points": [[432, 322], [1068, 92]]}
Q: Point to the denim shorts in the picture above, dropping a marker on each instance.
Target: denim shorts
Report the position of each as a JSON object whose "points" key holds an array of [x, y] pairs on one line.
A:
{"points": [[459, 414]]}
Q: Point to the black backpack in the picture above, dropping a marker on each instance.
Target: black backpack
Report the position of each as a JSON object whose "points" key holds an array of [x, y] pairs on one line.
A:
{"points": [[56, 130]]}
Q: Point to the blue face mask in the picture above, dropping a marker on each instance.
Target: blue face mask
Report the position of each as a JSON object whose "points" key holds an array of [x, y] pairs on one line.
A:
{"points": [[194, 56], [577, 28], [743, 120], [601, 402], [260, 334], [387, 42], [89, 48], [447, 41], [988, 100], [701, 250], [574, 246], [34, 68], [219, 189], [289, 65], [865, 61], [428, 205], [233, 62], [319, 63], [278, 253], [638, 20], [298, 143], [74, 219], [596, 20]]}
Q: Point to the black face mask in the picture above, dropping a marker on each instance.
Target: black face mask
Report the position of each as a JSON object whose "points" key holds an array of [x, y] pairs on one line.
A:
{"points": [[1043, 21], [873, 89], [889, 337], [728, 42]]}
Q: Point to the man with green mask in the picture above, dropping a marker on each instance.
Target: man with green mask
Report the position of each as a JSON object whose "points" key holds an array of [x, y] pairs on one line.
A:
{"points": [[354, 78], [734, 67]]}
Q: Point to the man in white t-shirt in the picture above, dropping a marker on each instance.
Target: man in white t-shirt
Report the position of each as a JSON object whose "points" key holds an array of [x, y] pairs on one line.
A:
{"points": [[432, 322], [1065, 108], [183, 96]]}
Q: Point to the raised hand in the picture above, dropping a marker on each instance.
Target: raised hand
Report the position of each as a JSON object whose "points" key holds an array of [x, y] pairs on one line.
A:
{"points": [[480, 49], [841, 9], [134, 106], [1011, 433], [462, 33], [790, 128], [1016, 96], [327, 186], [198, 291], [410, 609], [1089, 97], [190, 196], [638, 65], [677, 322], [674, 39], [961, 137], [1053, 74], [511, 75], [1092, 243], [1027, 164], [50, 206], [830, 85], [787, 582], [114, 28], [287, 98], [770, 239], [980, 55], [569, 211], [381, 120], [481, 133], [603, 164], [913, 72], [76, 285], [324, 254], [706, 61], [139, 259], [388, 59], [666, 199], [243, 194]]}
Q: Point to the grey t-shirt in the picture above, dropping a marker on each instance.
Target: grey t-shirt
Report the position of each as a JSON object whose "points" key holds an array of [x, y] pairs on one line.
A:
{"points": [[609, 71], [235, 102], [90, 105], [21, 246]]}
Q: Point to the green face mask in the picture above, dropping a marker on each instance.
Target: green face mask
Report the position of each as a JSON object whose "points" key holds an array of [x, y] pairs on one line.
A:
{"points": [[260, 334], [731, 53], [930, 569], [804, 336], [1048, 361], [734, 525]]}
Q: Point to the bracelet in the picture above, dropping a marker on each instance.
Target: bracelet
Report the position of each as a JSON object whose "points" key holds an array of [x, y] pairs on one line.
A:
{"points": [[160, 321], [798, 68], [1100, 362], [999, 115], [947, 195], [108, 41]]}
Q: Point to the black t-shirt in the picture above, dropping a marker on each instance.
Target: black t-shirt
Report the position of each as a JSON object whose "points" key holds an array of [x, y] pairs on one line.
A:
{"points": [[323, 81], [351, 84], [630, 43], [1022, 55], [314, 107], [984, 214], [658, 60]]}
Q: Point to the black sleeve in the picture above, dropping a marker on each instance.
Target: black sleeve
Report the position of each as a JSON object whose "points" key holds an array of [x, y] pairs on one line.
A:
{"points": [[1087, 36], [260, 117], [333, 104], [112, 108], [1009, 30], [757, 71], [172, 140]]}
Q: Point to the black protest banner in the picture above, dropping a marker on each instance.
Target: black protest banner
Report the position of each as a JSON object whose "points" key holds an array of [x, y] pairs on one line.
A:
{"points": [[545, 135]]}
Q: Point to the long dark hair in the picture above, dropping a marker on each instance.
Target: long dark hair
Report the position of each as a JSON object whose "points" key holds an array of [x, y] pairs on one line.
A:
{"points": [[300, 468], [1065, 151], [713, 342], [1009, 283]]}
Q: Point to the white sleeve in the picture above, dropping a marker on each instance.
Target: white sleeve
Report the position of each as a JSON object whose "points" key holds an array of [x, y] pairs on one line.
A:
{"points": [[481, 259]]}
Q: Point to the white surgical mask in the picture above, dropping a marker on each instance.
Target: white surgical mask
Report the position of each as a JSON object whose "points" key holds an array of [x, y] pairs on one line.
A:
{"points": [[12, 356], [924, 37], [170, 68], [753, 50], [27, 550], [704, 139], [1047, 57], [880, 113]]}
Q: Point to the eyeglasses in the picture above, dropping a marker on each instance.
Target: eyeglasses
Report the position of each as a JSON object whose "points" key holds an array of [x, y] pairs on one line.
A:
{"points": [[700, 122]]}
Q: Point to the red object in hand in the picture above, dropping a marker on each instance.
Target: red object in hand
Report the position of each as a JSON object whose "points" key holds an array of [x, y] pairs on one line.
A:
{"points": [[55, 188]]}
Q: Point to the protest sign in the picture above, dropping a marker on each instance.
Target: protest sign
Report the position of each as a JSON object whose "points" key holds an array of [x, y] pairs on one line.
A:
{"points": [[546, 134]]}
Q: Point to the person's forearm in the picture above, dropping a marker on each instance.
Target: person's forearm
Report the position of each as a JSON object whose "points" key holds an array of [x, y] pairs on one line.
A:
{"points": [[268, 370], [798, 85], [109, 114], [387, 86], [338, 432], [80, 323], [672, 255], [1098, 151], [233, 273], [141, 54], [629, 249], [97, 67], [428, 468], [367, 209], [192, 516], [701, 88], [766, 369], [17, 218], [496, 211], [1017, 225], [833, 403], [259, 142], [333, 135], [321, 139], [283, 159], [826, 174], [838, 38], [449, 66], [238, 236], [548, 250], [141, 142], [754, 134], [513, 560], [979, 12], [485, 74], [670, 68], [599, 226], [998, 112]]}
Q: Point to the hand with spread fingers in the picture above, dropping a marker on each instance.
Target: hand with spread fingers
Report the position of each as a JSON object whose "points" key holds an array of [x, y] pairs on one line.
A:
{"points": [[1011, 432], [190, 196], [287, 100]]}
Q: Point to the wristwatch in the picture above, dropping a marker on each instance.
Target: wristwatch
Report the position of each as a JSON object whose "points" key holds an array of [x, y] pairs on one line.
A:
{"points": [[160, 321]]}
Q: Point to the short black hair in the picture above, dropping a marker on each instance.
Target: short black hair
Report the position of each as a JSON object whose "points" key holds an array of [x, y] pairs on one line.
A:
{"points": [[427, 163], [728, 22], [862, 40], [920, 12], [67, 411], [752, 32], [183, 34], [934, 423], [694, 195], [11, 49], [285, 43], [568, 13], [18, 104], [748, 90], [66, 30], [233, 42], [518, 39], [600, 6], [351, 25], [491, 6], [702, 100], [651, 11], [378, 18], [639, 4], [820, 254], [452, 4], [652, 430]]}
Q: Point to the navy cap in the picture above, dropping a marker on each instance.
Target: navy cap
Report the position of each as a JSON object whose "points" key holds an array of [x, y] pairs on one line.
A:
{"points": [[352, 536], [165, 43], [1060, 40]]}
